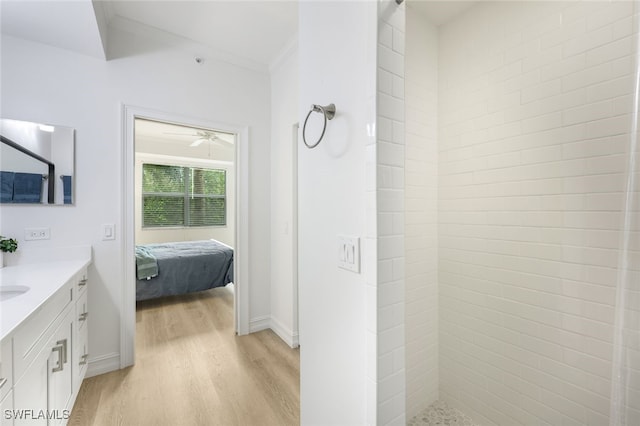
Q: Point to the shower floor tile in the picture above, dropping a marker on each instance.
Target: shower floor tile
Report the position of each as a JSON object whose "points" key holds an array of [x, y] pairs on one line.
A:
{"points": [[439, 414]]}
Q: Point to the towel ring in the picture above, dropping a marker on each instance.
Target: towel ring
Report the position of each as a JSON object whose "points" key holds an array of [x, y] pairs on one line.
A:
{"points": [[328, 111]]}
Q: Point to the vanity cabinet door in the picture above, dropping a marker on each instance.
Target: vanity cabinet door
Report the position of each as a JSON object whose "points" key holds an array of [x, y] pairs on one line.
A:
{"points": [[43, 393], [6, 366], [30, 392], [6, 410], [60, 371]]}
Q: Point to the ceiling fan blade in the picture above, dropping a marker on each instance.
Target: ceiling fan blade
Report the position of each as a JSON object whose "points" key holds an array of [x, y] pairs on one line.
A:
{"points": [[180, 134], [224, 140], [198, 142]]}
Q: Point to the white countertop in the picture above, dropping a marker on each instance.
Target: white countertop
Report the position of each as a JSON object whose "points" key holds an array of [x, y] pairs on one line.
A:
{"points": [[43, 280]]}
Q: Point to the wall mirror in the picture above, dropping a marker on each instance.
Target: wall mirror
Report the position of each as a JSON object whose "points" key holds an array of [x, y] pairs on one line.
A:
{"points": [[36, 163]]}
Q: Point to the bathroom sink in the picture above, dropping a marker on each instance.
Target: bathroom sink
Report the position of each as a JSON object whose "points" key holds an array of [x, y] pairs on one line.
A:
{"points": [[10, 291]]}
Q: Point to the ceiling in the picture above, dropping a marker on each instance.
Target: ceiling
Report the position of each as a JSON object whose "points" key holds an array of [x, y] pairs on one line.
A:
{"points": [[251, 33], [440, 12], [154, 137], [176, 133], [255, 32], [70, 25]]}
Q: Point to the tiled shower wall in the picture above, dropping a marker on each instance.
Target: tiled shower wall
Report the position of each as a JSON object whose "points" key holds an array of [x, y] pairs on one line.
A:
{"points": [[534, 115], [421, 208], [390, 368]]}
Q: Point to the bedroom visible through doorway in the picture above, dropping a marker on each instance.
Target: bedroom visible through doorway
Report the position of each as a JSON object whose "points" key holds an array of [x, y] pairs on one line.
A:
{"points": [[236, 202], [184, 209]]}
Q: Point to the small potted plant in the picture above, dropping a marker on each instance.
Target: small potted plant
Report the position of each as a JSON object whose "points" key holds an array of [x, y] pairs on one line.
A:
{"points": [[7, 245]]}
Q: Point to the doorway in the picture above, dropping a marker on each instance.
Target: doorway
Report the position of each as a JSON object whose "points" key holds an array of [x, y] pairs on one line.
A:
{"points": [[133, 116]]}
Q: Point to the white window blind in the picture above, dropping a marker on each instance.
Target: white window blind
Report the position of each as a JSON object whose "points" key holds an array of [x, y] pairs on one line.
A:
{"points": [[183, 196]]}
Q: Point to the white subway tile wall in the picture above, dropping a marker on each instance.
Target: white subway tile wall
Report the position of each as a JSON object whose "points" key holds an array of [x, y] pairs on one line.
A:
{"points": [[534, 121], [389, 382], [421, 213]]}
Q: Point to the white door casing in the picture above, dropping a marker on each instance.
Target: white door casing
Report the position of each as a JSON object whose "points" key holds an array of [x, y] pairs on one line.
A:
{"points": [[241, 249]]}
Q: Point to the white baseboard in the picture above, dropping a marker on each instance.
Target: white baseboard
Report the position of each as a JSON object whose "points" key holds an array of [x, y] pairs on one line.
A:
{"points": [[259, 323], [103, 364], [289, 337], [265, 322]]}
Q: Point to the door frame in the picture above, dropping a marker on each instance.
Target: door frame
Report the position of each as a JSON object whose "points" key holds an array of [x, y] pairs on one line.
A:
{"points": [[295, 130], [241, 249]]}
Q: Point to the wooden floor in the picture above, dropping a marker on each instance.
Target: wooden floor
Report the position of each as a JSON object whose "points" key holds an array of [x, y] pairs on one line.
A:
{"points": [[192, 370]]}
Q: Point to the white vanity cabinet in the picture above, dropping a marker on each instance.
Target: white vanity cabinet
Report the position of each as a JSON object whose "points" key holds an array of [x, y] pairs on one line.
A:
{"points": [[6, 405], [47, 350], [30, 393], [6, 381], [59, 371], [81, 336]]}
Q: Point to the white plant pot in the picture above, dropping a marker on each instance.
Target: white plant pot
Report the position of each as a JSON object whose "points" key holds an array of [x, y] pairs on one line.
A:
{"points": [[1, 259]]}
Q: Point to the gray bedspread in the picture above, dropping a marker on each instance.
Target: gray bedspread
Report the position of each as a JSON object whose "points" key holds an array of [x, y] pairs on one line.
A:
{"points": [[186, 267]]}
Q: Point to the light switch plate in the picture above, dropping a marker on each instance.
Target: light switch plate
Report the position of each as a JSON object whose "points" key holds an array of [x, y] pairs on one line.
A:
{"points": [[349, 253], [108, 231]]}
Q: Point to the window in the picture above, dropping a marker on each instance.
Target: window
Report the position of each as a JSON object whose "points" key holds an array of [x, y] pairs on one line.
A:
{"points": [[183, 196]]}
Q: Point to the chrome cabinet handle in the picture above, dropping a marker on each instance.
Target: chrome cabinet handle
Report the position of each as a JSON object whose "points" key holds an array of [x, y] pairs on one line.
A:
{"points": [[83, 316], [2, 382], [64, 349], [82, 282], [60, 365], [83, 359]]}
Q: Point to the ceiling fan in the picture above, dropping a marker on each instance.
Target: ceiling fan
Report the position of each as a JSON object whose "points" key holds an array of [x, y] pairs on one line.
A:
{"points": [[205, 136]]}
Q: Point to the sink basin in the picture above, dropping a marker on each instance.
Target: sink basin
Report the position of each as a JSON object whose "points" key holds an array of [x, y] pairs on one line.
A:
{"points": [[10, 291]]}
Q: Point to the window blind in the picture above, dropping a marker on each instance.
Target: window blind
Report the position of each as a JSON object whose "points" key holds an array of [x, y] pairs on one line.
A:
{"points": [[183, 196]]}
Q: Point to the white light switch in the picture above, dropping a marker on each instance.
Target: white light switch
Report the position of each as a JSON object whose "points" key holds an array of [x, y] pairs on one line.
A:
{"points": [[108, 231], [349, 253]]}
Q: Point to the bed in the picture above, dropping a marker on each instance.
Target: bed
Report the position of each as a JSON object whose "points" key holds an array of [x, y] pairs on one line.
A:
{"points": [[168, 269]]}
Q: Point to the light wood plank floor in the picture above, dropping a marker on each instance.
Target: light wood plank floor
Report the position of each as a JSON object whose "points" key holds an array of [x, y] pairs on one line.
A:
{"points": [[192, 370]]}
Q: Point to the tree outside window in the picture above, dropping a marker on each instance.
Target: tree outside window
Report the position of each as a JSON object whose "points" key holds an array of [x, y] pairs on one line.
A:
{"points": [[183, 196]]}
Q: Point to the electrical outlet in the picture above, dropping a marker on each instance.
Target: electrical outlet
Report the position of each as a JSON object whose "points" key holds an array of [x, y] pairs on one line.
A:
{"points": [[37, 234]]}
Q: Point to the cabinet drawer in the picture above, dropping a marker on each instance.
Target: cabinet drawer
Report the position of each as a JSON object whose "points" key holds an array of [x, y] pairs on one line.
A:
{"points": [[6, 368], [81, 341], [82, 311], [81, 282], [31, 334]]}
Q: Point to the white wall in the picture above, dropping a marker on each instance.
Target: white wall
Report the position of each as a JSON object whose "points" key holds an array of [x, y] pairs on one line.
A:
{"points": [[337, 59], [421, 212], [535, 102], [284, 157], [45, 84]]}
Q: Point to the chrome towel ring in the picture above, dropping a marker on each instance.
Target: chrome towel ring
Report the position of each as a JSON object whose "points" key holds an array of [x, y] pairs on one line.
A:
{"points": [[328, 111]]}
